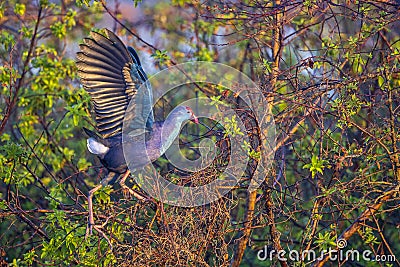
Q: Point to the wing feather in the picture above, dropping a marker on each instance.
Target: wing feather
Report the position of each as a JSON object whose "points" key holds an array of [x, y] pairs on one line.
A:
{"points": [[103, 57], [98, 48], [112, 74]]}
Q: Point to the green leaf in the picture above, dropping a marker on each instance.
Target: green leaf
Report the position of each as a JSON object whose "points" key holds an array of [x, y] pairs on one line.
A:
{"points": [[231, 127], [381, 81], [59, 29], [161, 56], [19, 9], [316, 165], [3, 205], [136, 2]]}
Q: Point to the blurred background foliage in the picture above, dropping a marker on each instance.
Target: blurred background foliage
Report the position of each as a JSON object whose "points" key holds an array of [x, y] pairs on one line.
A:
{"points": [[330, 70]]}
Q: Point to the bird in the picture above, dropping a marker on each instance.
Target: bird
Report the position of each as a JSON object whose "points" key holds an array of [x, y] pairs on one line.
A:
{"points": [[112, 75]]}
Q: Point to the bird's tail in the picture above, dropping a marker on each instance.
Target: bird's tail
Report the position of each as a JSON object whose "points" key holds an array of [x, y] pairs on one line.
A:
{"points": [[92, 134], [95, 143]]}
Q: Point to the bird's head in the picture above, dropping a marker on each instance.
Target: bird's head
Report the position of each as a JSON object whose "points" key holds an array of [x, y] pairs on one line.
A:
{"points": [[185, 113], [192, 117]]}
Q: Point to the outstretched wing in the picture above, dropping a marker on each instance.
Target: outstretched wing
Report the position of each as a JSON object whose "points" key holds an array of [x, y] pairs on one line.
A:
{"points": [[112, 75]]}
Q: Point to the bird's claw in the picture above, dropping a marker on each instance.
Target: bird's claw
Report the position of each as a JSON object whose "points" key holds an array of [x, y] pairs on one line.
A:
{"points": [[90, 226], [89, 230], [128, 193]]}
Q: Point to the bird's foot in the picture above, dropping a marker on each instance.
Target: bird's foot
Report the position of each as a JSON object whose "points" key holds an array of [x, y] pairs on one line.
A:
{"points": [[90, 225], [89, 230], [129, 192]]}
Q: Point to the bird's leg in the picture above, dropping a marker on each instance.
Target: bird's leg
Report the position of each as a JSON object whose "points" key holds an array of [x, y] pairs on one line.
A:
{"points": [[126, 190], [90, 208]]}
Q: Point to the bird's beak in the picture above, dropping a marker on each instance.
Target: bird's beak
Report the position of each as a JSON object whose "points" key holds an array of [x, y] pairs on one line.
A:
{"points": [[194, 119]]}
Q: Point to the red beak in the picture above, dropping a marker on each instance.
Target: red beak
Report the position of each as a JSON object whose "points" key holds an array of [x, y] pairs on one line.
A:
{"points": [[194, 119]]}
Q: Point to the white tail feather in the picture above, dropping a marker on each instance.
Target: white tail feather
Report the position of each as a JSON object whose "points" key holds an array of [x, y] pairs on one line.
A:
{"points": [[95, 147]]}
